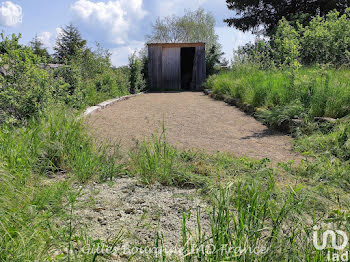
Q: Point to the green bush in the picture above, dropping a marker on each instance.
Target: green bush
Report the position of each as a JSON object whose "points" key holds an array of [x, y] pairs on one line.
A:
{"points": [[286, 43], [25, 89], [259, 55], [324, 40], [137, 80]]}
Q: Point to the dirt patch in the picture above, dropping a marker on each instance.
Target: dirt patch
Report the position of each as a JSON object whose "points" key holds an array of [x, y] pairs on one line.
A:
{"points": [[192, 120], [139, 211]]}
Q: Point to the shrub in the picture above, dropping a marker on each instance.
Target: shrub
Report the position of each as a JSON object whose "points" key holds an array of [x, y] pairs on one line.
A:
{"points": [[259, 55], [25, 89], [286, 43], [325, 40], [137, 81]]}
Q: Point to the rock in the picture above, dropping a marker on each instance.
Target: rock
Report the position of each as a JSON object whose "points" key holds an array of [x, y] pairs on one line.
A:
{"points": [[207, 91], [115, 257], [139, 201], [296, 122], [98, 209], [325, 120], [102, 221], [129, 210]]}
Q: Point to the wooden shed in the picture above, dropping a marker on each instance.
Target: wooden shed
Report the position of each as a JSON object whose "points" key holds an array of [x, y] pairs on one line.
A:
{"points": [[176, 66]]}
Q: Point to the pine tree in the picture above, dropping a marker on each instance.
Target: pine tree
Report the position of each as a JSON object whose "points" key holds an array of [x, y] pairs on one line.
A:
{"points": [[69, 43], [38, 48]]}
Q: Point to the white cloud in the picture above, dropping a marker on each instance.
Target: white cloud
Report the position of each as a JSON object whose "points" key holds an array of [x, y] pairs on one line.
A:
{"points": [[113, 19], [46, 38], [166, 8], [10, 14], [121, 54], [120, 25], [49, 38], [59, 31], [231, 39]]}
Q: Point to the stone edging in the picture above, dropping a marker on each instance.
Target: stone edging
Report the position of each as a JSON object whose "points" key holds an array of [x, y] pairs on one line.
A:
{"points": [[100, 106]]}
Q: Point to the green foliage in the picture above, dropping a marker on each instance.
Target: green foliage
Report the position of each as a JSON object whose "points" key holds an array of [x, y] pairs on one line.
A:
{"points": [[334, 143], [69, 44], [56, 142], [25, 89], [155, 161], [136, 78], [280, 115], [266, 14], [325, 40], [286, 44], [37, 164], [246, 224], [321, 92], [213, 60], [259, 54], [38, 48], [87, 79], [193, 26]]}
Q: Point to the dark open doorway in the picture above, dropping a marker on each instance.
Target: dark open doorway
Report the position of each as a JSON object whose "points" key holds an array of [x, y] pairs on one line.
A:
{"points": [[187, 61]]}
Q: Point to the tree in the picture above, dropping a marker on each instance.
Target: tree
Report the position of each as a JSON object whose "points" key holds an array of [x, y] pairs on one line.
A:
{"points": [[194, 26], [69, 43], [38, 48], [136, 78], [213, 60], [264, 15]]}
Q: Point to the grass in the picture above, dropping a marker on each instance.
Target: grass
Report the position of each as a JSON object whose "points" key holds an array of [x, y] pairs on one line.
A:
{"points": [[31, 203], [253, 203], [321, 92]]}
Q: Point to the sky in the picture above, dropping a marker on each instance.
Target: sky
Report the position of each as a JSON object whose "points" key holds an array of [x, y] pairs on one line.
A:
{"points": [[118, 25]]}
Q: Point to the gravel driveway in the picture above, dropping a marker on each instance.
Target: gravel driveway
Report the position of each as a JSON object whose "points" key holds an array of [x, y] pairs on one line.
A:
{"points": [[192, 120]]}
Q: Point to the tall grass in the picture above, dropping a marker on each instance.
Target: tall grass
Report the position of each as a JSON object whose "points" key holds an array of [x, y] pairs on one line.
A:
{"points": [[156, 160], [322, 92], [251, 221], [38, 164]]}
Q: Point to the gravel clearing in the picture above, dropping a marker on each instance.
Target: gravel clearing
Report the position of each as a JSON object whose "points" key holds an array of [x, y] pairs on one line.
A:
{"points": [[192, 120], [139, 211]]}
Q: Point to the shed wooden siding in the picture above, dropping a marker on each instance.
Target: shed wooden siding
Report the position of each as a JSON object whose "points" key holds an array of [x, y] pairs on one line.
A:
{"points": [[165, 65], [171, 68], [155, 67]]}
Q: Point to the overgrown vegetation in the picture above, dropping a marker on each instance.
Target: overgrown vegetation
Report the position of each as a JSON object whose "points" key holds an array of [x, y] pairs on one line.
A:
{"points": [[46, 154], [44, 147], [299, 77], [311, 92]]}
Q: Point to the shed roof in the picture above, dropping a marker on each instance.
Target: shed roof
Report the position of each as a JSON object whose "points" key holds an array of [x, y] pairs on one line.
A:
{"points": [[177, 44]]}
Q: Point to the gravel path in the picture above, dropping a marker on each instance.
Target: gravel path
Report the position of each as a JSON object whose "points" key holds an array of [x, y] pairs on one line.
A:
{"points": [[192, 120]]}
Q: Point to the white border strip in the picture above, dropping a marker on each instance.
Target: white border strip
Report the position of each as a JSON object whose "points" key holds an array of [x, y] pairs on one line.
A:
{"points": [[94, 109]]}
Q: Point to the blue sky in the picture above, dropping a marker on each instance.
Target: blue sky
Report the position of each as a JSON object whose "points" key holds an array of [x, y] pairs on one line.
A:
{"points": [[119, 25]]}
